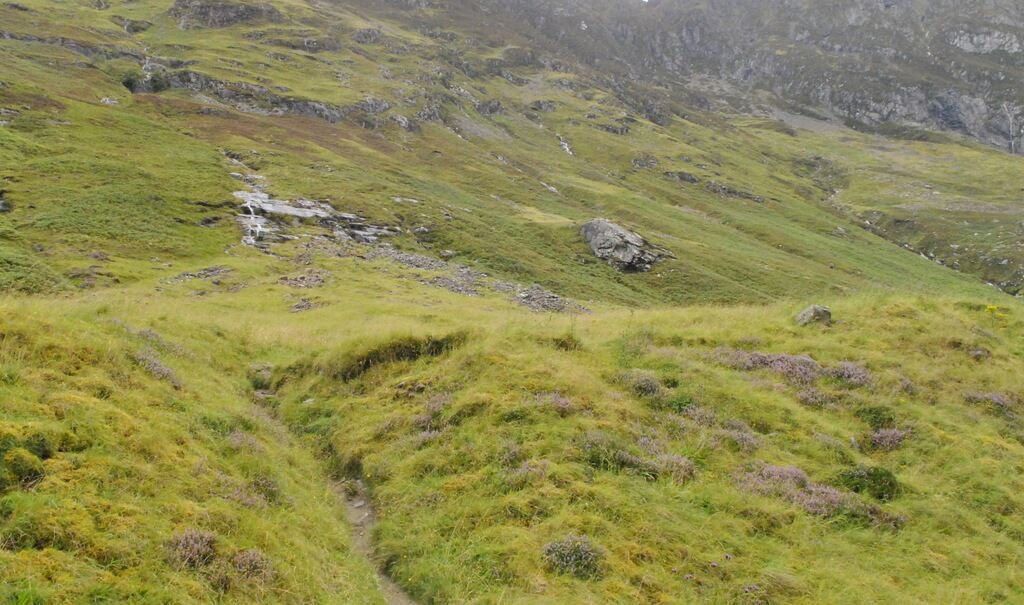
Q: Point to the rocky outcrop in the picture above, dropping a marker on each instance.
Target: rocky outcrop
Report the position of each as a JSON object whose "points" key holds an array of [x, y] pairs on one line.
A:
{"points": [[131, 26], [367, 36], [814, 314], [942, 64], [253, 98], [623, 249], [196, 14]]}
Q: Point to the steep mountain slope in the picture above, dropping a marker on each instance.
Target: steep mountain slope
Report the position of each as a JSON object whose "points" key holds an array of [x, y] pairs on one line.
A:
{"points": [[487, 161], [264, 263], [943, 64]]}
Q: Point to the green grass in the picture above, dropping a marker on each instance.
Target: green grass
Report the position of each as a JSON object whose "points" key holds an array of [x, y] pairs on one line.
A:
{"points": [[477, 458], [485, 432]]}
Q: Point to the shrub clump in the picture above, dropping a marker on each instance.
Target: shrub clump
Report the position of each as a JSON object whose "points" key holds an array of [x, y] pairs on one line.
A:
{"points": [[814, 398], [253, 564], [699, 415], [567, 342], [852, 374], [793, 485], [601, 451], [741, 436], [574, 555], [999, 402], [193, 548], [877, 417], [24, 467], [888, 440], [677, 468], [799, 369], [267, 488], [148, 360], [877, 482], [643, 383]]}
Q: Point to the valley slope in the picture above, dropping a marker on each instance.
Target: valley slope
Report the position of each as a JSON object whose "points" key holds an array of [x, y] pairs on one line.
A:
{"points": [[264, 263]]}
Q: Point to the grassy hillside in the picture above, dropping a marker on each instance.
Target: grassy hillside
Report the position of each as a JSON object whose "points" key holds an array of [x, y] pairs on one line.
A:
{"points": [[189, 419], [485, 436], [134, 181]]}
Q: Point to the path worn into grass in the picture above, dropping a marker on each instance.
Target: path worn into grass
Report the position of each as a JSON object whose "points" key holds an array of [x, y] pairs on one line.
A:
{"points": [[359, 512], [362, 518]]}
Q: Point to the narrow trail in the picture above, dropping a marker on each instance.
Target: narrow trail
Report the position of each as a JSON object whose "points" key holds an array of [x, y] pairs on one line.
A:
{"points": [[362, 518], [354, 497]]}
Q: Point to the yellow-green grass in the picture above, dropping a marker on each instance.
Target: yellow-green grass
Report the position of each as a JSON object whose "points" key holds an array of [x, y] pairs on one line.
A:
{"points": [[128, 180], [459, 521]]}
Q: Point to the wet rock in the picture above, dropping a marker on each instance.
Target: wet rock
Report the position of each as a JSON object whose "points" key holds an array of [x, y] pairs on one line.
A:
{"points": [[519, 57], [207, 273], [619, 129], [367, 36], [683, 177], [131, 26], [644, 162], [490, 107], [194, 14], [539, 299], [565, 145], [430, 113], [5, 204], [304, 304], [309, 279], [727, 191], [373, 105], [623, 249], [543, 105], [814, 314], [405, 123]]}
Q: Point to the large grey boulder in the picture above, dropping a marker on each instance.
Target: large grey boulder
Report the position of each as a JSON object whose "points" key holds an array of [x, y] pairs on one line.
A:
{"points": [[814, 314], [623, 249]]}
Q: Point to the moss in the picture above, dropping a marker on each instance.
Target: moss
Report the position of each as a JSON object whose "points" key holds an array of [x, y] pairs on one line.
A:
{"points": [[877, 417], [879, 483], [23, 466]]}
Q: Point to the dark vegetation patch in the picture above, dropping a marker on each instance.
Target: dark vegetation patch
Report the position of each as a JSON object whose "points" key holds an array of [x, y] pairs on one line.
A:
{"points": [[887, 439], [574, 555], [643, 383], [148, 360], [253, 564], [799, 369], [877, 417], [879, 483], [567, 342], [851, 374], [192, 548], [1000, 403], [793, 485], [408, 348]]}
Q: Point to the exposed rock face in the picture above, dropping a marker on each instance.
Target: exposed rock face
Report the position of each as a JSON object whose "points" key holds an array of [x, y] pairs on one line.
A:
{"points": [[623, 249], [940, 64], [489, 107], [131, 26], [814, 314], [543, 105], [367, 36], [194, 14]]}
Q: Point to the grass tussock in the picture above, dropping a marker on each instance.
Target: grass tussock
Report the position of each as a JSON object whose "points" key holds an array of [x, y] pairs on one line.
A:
{"points": [[408, 348]]}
